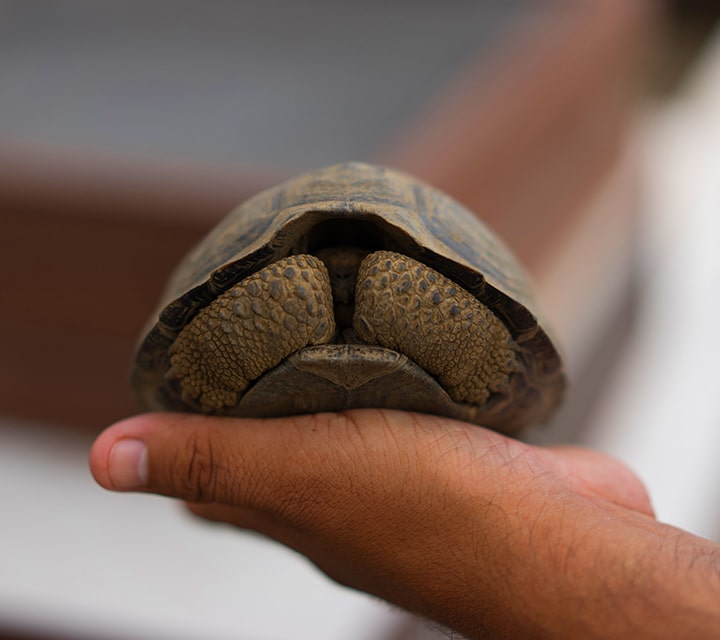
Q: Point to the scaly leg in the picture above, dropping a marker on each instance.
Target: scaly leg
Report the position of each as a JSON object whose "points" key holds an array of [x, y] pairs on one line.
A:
{"points": [[251, 328], [404, 305]]}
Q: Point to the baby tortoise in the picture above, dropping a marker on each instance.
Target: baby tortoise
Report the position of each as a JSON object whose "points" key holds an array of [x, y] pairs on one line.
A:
{"points": [[353, 286]]}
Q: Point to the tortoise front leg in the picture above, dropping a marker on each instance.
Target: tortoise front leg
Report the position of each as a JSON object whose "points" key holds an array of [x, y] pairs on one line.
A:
{"points": [[251, 328], [404, 305]]}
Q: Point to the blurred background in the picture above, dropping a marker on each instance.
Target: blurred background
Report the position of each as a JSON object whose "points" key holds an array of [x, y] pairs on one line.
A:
{"points": [[586, 133]]}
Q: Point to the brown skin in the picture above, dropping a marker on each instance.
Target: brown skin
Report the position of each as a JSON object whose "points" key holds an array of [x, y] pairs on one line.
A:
{"points": [[484, 534]]}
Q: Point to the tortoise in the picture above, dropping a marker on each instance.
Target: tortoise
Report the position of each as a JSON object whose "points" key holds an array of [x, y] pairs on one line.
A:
{"points": [[352, 286]]}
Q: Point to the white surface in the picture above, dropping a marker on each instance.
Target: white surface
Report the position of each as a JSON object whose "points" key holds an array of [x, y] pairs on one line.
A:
{"points": [[662, 415], [80, 560]]}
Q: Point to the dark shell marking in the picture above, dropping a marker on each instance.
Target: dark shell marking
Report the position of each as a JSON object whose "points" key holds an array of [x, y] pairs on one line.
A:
{"points": [[517, 372]]}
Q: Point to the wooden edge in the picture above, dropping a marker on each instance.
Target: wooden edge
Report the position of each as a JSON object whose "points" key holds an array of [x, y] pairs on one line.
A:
{"points": [[39, 177]]}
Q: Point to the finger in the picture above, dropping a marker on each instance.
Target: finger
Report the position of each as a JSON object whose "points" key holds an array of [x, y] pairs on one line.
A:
{"points": [[235, 516], [193, 457], [251, 520], [241, 518], [591, 472], [320, 551]]}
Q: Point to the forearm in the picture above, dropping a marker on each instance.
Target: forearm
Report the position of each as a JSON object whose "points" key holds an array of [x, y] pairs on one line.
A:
{"points": [[576, 569]]}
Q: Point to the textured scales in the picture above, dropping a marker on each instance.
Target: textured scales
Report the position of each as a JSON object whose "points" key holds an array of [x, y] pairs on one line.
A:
{"points": [[250, 329], [404, 305]]}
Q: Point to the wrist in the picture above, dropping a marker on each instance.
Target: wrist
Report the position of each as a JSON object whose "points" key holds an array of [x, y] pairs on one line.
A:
{"points": [[540, 560], [586, 568]]}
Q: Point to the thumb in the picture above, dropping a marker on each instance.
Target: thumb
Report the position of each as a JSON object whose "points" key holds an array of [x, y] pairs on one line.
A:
{"points": [[592, 473], [196, 458], [263, 464]]}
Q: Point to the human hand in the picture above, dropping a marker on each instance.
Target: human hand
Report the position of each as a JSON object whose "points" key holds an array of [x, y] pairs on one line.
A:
{"points": [[479, 532]]}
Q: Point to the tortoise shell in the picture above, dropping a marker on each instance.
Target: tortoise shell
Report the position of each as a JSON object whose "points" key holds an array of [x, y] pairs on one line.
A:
{"points": [[352, 286]]}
